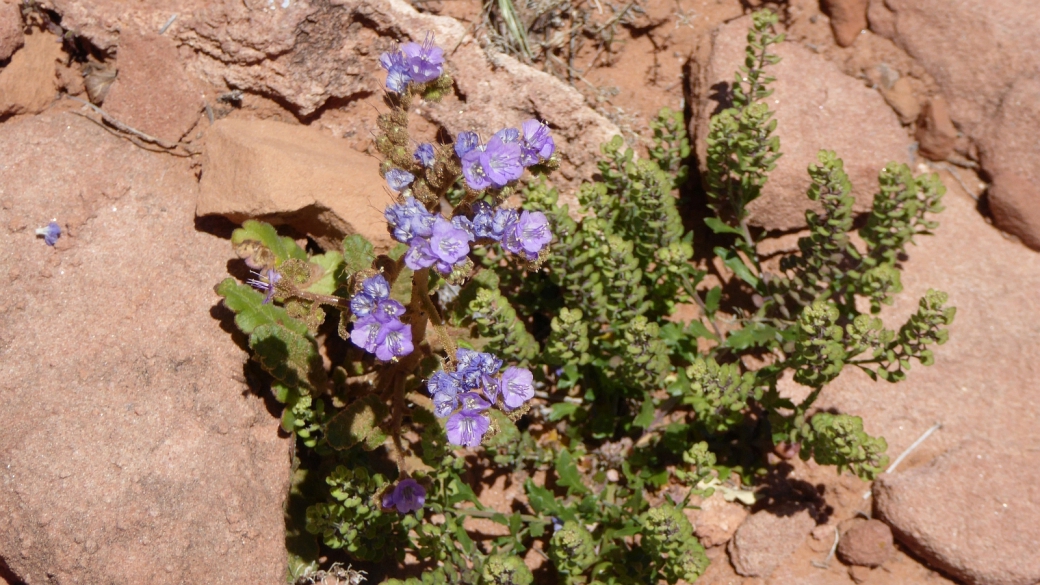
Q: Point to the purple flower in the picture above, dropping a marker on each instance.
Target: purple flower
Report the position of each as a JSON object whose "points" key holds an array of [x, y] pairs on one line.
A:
{"points": [[425, 61], [424, 154], [466, 428], [388, 339], [503, 223], [398, 179], [419, 254], [407, 496], [501, 158], [475, 370], [444, 389], [409, 220], [537, 144], [530, 234], [265, 283], [473, 169], [465, 142], [51, 232], [376, 287], [388, 310], [395, 63], [375, 292], [449, 244], [517, 387]]}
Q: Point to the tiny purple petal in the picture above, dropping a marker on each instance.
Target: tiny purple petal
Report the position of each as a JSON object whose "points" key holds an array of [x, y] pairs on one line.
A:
{"points": [[265, 283], [51, 232], [473, 403], [425, 61], [449, 243], [537, 144], [407, 496], [473, 170], [399, 179], [397, 79], [466, 429], [362, 305], [394, 341], [465, 142], [501, 161], [366, 333], [517, 387], [425, 155], [376, 287], [529, 236], [409, 220], [419, 255], [387, 310]]}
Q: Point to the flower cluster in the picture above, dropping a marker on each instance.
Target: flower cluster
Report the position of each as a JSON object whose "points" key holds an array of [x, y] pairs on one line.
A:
{"points": [[465, 395], [523, 233], [407, 496], [379, 328], [51, 232], [505, 156], [412, 63]]}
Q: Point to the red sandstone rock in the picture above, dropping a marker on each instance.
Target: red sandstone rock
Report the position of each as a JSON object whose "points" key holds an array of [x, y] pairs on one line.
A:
{"points": [[868, 543], [936, 133], [1011, 155], [11, 37], [848, 19], [974, 512], [132, 450], [817, 107], [297, 175], [310, 54], [152, 92], [28, 84], [717, 520], [768, 537], [984, 56]]}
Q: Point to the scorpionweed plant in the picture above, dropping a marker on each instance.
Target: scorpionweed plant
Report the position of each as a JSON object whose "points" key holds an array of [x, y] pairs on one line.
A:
{"points": [[523, 340]]}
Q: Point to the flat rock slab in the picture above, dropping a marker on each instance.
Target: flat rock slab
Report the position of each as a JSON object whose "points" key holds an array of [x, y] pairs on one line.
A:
{"points": [[973, 512], [296, 175], [133, 451], [817, 107]]}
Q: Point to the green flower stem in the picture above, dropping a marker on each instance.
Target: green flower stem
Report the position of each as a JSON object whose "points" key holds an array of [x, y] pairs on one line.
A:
{"points": [[474, 513], [696, 296]]}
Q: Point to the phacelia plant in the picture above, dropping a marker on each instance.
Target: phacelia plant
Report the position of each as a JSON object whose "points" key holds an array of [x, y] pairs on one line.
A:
{"points": [[503, 332]]}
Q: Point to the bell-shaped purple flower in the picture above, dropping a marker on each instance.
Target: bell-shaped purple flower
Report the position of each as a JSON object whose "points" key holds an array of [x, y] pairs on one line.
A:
{"points": [[424, 154], [473, 169], [409, 220], [465, 142], [503, 222], [466, 429], [50, 232], [537, 144], [399, 179], [376, 287], [449, 244], [396, 65], [419, 254], [516, 386], [444, 389], [425, 61], [407, 496], [375, 290], [529, 236], [388, 340], [388, 310], [476, 370], [265, 283], [501, 159]]}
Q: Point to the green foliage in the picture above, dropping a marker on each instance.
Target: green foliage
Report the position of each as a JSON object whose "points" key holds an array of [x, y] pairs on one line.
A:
{"points": [[629, 395]]}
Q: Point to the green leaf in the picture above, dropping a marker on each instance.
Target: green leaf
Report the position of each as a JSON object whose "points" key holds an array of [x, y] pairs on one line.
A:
{"points": [[282, 247], [250, 310], [358, 253], [541, 499], [568, 473], [561, 410], [358, 423], [289, 356], [646, 414], [464, 493], [720, 227], [752, 335], [711, 300], [332, 264], [698, 329], [733, 261]]}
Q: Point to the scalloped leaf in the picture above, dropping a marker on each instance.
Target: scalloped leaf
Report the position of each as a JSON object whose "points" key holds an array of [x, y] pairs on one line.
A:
{"points": [[249, 308], [358, 253], [334, 275], [358, 423], [291, 357], [282, 247]]}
